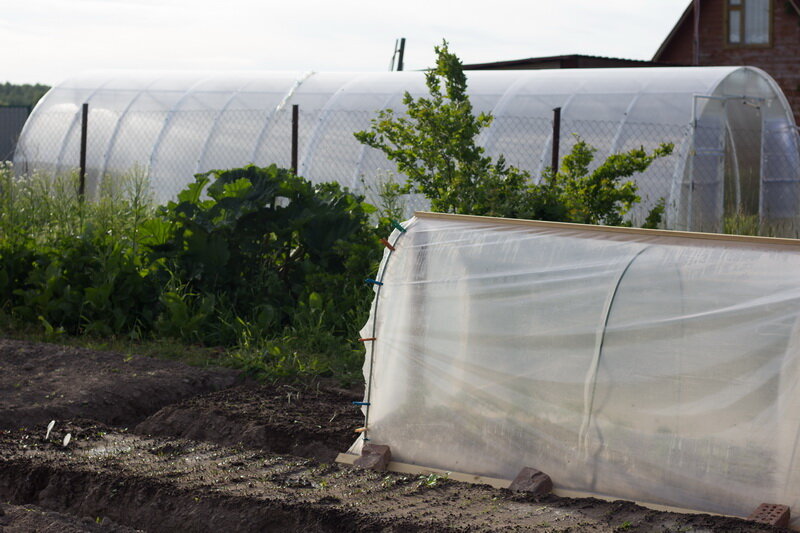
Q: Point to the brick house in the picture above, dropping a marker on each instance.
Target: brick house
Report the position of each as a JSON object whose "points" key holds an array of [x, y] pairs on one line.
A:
{"points": [[759, 33]]}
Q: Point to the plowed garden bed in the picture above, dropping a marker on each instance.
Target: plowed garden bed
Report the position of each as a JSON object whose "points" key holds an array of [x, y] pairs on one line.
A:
{"points": [[158, 446]]}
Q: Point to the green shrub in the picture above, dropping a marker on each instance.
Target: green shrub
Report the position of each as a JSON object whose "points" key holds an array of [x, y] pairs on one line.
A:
{"points": [[88, 284], [267, 242], [435, 146], [72, 265]]}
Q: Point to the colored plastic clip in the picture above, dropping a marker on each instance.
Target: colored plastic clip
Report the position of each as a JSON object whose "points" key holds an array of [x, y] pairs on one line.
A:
{"points": [[361, 403], [365, 339], [397, 226], [388, 244], [361, 430], [374, 282]]}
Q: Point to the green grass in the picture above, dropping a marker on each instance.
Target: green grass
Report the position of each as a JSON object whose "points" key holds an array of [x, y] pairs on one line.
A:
{"points": [[741, 224], [279, 360]]}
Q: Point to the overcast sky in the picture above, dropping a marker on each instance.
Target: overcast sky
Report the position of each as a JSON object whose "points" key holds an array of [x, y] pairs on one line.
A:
{"points": [[48, 40]]}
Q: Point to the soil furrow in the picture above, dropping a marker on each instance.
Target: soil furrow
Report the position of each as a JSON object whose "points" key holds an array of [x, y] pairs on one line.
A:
{"points": [[178, 485], [316, 421], [225, 478]]}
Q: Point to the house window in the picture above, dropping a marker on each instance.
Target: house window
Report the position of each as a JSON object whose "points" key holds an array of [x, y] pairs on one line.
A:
{"points": [[749, 21]]}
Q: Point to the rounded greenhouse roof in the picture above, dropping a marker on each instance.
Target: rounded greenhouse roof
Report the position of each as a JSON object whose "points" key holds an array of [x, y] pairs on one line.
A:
{"points": [[173, 125]]}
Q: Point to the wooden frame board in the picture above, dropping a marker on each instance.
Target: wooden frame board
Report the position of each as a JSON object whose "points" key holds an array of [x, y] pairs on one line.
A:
{"points": [[641, 232]]}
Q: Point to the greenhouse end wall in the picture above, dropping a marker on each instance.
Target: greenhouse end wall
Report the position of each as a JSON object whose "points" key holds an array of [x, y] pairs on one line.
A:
{"points": [[653, 366], [736, 144]]}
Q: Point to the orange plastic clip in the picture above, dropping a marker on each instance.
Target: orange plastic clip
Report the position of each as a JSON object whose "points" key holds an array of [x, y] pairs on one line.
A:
{"points": [[361, 430], [365, 339], [387, 244]]}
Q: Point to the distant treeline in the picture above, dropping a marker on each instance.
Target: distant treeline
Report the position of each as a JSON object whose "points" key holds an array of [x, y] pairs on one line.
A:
{"points": [[26, 94]]}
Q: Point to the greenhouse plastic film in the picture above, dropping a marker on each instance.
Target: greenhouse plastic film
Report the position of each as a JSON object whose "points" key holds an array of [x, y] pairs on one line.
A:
{"points": [[643, 365], [735, 140]]}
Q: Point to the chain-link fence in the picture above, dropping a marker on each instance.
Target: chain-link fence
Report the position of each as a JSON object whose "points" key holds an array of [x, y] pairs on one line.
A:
{"points": [[12, 119], [720, 177]]}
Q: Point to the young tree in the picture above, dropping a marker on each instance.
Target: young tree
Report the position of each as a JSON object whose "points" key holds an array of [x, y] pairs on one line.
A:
{"points": [[435, 145]]}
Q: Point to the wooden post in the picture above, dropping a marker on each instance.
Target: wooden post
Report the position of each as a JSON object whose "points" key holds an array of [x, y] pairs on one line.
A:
{"points": [[556, 138], [84, 130], [295, 120]]}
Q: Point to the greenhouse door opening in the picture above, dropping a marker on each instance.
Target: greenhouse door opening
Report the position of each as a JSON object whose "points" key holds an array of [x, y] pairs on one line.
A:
{"points": [[723, 182], [743, 160]]}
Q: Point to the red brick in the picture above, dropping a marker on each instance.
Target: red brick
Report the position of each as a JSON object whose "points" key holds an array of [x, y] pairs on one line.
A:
{"points": [[533, 481], [771, 514], [374, 457]]}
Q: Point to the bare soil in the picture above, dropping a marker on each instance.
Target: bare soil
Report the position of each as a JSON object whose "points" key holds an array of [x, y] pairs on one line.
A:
{"points": [[28, 518], [40, 382], [316, 421], [246, 458]]}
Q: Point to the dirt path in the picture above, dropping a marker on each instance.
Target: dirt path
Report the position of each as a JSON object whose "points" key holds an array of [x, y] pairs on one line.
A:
{"points": [[232, 471]]}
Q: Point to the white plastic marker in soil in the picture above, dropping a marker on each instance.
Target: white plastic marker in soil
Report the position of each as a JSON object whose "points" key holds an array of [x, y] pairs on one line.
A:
{"points": [[67, 438], [49, 429]]}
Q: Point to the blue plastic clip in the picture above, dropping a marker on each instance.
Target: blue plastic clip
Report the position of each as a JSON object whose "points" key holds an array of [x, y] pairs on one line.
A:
{"points": [[374, 282], [365, 438], [361, 403], [397, 226]]}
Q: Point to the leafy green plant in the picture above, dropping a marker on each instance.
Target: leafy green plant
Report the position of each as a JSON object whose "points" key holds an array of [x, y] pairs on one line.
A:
{"points": [[258, 261], [601, 196], [69, 265], [433, 480], [284, 252], [656, 215], [392, 197], [90, 284]]}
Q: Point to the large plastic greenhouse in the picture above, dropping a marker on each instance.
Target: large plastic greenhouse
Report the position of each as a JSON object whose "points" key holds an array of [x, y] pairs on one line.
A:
{"points": [[648, 365], [736, 143]]}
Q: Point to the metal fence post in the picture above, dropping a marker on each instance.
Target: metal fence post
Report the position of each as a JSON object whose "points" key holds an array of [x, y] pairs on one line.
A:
{"points": [[84, 129], [556, 138], [295, 120], [401, 53]]}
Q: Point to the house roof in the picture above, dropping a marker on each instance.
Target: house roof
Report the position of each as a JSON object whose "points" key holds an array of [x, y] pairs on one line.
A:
{"points": [[684, 17], [531, 61]]}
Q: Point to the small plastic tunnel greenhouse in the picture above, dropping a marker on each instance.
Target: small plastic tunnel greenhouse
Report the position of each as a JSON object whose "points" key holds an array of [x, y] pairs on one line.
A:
{"points": [[736, 143], [656, 366]]}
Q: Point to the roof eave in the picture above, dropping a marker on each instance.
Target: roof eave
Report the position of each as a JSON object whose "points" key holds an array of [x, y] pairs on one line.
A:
{"points": [[685, 16]]}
